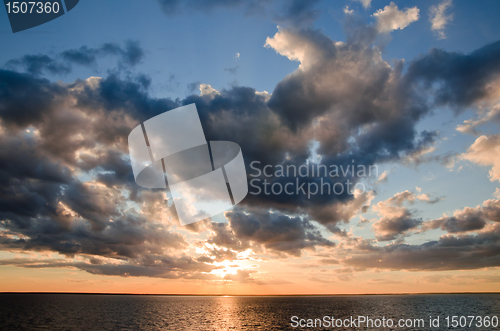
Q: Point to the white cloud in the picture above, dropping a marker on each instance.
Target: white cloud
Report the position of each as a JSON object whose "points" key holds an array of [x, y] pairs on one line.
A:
{"points": [[365, 3], [382, 178], [296, 47], [348, 11], [264, 94], [486, 151], [419, 156], [237, 56], [206, 89], [439, 19], [469, 126], [391, 18]]}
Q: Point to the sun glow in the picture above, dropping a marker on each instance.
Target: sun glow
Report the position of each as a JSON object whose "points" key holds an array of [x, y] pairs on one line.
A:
{"points": [[226, 268]]}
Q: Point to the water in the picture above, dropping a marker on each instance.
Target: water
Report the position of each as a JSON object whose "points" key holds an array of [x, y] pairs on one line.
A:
{"points": [[138, 312]]}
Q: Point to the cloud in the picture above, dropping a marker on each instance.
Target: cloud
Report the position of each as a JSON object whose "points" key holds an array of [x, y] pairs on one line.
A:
{"points": [[439, 19], [344, 211], [468, 219], [208, 91], [79, 129], [399, 198], [276, 232], [366, 3], [67, 186], [391, 18], [232, 70], [38, 64], [450, 252], [193, 87], [348, 11], [458, 80], [395, 223], [222, 235], [349, 93], [395, 219], [169, 268], [486, 151], [382, 178], [130, 55], [492, 114], [60, 133]]}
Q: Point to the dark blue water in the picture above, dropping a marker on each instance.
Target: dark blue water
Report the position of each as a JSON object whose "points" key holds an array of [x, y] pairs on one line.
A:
{"points": [[137, 312]]}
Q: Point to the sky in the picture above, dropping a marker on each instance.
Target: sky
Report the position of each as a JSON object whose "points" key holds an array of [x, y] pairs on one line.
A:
{"points": [[409, 89]]}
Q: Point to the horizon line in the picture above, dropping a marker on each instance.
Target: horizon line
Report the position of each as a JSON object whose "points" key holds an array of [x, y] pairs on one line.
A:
{"points": [[253, 295]]}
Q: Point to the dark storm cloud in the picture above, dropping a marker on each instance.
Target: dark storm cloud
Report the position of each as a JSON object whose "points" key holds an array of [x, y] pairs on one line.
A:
{"points": [[125, 238], [62, 116], [275, 231], [340, 210], [448, 253], [468, 219], [323, 81], [353, 103], [48, 208], [223, 236], [85, 126], [458, 79], [83, 56], [129, 55], [38, 64], [390, 228], [260, 229], [30, 183], [348, 87], [26, 100], [51, 137], [122, 95], [240, 114], [396, 219]]}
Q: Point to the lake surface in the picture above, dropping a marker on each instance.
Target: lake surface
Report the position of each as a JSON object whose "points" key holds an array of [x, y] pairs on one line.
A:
{"points": [[142, 312]]}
